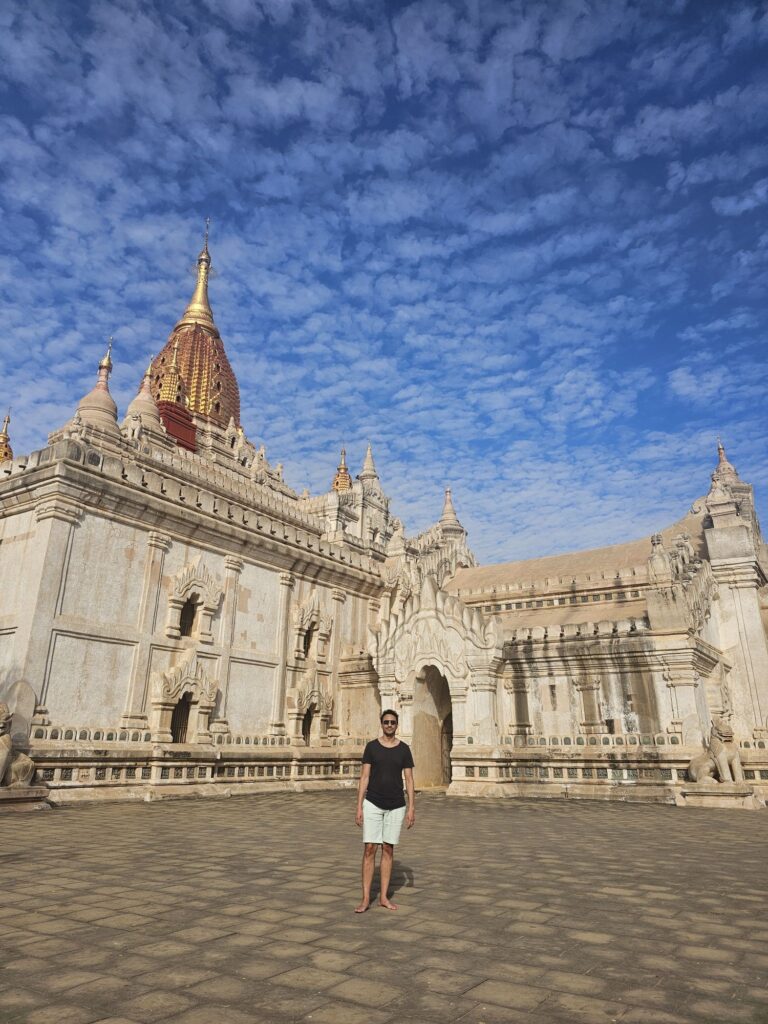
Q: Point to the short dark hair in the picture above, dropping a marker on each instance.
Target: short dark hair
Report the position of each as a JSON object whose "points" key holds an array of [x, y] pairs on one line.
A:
{"points": [[389, 711]]}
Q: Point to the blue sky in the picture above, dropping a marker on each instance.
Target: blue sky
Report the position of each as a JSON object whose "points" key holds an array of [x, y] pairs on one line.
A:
{"points": [[521, 247]]}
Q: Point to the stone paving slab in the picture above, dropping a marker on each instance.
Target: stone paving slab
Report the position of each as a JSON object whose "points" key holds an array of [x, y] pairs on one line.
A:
{"points": [[240, 912]]}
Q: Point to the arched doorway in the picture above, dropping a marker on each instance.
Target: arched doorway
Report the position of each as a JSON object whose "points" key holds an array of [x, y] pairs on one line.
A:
{"points": [[432, 737]]}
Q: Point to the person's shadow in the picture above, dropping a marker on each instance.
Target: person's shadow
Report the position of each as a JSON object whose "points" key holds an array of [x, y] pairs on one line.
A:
{"points": [[402, 877]]}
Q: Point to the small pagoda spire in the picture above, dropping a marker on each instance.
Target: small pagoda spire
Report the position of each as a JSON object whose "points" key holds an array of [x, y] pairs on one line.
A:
{"points": [[725, 471], [97, 408], [368, 472], [172, 387], [144, 405], [449, 521], [342, 481], [6, 452], [199, 310]]}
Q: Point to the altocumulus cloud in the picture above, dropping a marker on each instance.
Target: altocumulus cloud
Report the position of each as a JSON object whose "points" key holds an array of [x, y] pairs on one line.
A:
{"points": [[521, 247]]}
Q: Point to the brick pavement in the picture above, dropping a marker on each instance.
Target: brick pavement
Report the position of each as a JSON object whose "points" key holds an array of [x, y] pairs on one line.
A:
{"points": [[240, 911]]}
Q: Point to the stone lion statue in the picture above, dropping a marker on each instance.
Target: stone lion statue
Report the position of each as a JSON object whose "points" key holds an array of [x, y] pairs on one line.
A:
{"points": [[16, 769], [720, 761]]}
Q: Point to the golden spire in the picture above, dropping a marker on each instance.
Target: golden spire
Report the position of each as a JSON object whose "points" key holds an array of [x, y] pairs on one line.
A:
{"points": [[106, 362], [172, 388], [199, 310], [342, 481], [6, 452]]}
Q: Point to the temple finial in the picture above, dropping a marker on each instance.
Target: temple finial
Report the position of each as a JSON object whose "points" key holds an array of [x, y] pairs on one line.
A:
{"points": [[449, 521], [368, 471], [725, 471], [198, 309], [106, 361], [6, 452], [342, 481]]}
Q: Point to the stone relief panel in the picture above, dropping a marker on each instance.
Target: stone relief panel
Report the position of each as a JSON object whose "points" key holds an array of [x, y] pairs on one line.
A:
{"points": [[257, 611], [104, 572], [249, 697], [87, 680]]}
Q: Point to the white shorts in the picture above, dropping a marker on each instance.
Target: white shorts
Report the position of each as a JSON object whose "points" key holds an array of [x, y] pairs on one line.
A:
{"points": [[381, 826]]}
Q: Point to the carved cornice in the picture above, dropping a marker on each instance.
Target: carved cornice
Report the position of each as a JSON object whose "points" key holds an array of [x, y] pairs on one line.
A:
{"points": [[58, 508]]}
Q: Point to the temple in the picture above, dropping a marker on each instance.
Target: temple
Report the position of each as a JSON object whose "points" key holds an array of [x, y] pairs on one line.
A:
{"points": [[176, 620]]}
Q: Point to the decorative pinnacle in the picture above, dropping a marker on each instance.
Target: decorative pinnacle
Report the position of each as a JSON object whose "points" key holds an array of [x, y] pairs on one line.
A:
{"points": [[198, 309], [342, 481], [368, 471], [449, 520], [6, 452], [106, 361]]}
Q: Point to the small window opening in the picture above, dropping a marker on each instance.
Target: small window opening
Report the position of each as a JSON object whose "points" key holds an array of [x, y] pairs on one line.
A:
{"points": [[553, 696], [308, 636], [232, 441], [217, 407], [180, 719], [610, 725], [187, 616], [306, 726]]}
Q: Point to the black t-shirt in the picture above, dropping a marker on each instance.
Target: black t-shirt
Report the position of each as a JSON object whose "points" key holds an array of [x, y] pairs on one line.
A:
{"points": [[385, 785]]}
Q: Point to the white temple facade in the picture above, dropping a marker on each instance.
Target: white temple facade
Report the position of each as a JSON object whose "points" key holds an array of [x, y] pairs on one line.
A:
{"points": [[175, 619]]}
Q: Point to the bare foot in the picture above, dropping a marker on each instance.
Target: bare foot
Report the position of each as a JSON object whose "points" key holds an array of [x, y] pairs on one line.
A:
{"points": [[387, 904], [362, 907]]}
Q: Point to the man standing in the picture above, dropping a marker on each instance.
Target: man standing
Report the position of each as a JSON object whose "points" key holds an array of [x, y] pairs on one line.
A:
{"points": [[381, 805]]}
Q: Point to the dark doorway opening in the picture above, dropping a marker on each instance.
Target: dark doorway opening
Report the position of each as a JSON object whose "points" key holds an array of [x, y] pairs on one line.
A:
{"points": [[446, 743], [306, 725], [187, 616], [180, 719]]}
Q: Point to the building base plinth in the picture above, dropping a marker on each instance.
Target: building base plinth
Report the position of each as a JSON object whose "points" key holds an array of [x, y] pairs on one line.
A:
{"points": [[730, 795], [24, 798]]}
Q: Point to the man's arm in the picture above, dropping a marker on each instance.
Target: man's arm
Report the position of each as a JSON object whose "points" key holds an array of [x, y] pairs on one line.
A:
{"points": [[410, 814], [365, 774]]}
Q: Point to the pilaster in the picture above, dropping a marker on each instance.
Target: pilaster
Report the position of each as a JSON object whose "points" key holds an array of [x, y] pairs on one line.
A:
{"points": [[135, 713], [233, 567], [590, 704], [277, 723], [339, 598], [57, 518]]}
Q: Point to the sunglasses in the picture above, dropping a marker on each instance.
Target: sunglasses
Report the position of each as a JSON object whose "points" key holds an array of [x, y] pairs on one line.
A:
{"points": [[389, 721]]}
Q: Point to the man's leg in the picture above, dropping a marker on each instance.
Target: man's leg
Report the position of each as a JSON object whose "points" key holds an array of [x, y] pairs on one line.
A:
{"points": [[369, 863], [387, 856]]}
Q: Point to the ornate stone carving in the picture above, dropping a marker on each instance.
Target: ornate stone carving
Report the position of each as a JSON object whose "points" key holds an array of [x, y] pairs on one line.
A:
{"points": [[196, 576], [189, 677], [721, 760], [170, 686], [194, 579], [16, 769]]}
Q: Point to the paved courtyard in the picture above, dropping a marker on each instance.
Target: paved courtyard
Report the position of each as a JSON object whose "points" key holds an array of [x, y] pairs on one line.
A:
{"points": [[240, 911]]}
